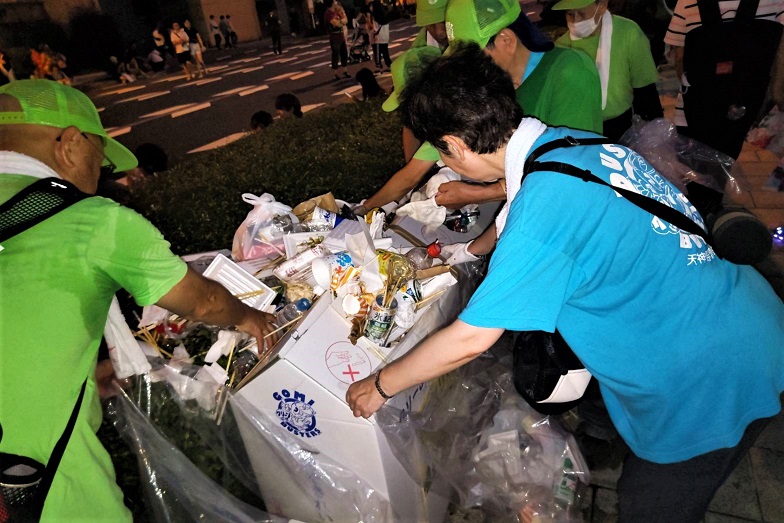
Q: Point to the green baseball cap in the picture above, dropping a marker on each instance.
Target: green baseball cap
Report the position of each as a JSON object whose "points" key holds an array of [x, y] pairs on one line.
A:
{"points": [[430, 12], [406, 66], [479, 20], [565, 5], [45, 102]]}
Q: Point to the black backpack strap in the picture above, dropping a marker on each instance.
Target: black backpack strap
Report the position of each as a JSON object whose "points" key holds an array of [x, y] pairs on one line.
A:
{"points": [[710, 14], [35, 203], [56, 457], [665, 212], [747, 10], [568, 141]]}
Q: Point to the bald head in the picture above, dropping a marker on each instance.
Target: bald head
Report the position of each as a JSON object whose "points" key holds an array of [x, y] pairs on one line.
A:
{"points": [[75, 157]]}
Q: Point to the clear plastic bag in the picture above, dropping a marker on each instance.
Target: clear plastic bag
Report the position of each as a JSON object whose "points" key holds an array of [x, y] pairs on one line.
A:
{"points": [[189, 449], [478, 438], [681, 159], [254, 237], [175, 489]]}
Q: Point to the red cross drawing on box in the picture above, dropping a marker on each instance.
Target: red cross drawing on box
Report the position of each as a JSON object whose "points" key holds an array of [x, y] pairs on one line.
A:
{"points": [[351, 373]]}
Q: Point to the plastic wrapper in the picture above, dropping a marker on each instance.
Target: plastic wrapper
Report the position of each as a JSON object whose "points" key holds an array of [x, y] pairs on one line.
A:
{"points": [[681, 159], [477, 437], [254, 236]]}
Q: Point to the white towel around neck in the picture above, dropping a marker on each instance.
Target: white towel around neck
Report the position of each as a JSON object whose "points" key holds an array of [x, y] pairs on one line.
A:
{"points": [[529, 130], [603, 55]]}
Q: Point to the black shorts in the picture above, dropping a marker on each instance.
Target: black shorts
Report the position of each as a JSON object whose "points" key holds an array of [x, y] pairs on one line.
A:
{"points": [[184, 57]]}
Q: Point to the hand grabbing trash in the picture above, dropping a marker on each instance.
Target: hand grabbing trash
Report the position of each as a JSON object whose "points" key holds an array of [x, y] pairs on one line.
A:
{"points": [[457, 253], [364, 397]]}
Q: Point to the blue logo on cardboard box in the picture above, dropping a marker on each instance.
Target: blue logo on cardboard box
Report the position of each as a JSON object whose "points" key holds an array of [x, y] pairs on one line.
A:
{"points": [[296, 413]]}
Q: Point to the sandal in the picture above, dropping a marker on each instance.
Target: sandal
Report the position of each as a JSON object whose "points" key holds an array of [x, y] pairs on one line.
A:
{"points": [[346, 75]]}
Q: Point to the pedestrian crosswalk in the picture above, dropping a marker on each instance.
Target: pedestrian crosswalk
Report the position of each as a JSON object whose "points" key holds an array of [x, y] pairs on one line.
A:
{"points": [[263, 70]]}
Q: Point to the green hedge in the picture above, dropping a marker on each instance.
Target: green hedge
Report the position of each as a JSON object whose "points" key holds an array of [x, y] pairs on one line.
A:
{"points": [[349, 149]]}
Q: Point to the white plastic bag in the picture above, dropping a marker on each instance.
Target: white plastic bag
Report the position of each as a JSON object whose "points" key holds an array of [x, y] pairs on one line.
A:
{"points": [[254, 238]]}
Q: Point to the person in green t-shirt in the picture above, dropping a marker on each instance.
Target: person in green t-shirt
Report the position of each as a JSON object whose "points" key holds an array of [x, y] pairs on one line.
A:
{"points": [[58, 279], [558, 86], [622, 54]]}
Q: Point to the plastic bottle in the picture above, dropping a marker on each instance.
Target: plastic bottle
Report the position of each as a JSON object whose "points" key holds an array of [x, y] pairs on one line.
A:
{"points": [[292, 311], [565, 487], [423, 257]]}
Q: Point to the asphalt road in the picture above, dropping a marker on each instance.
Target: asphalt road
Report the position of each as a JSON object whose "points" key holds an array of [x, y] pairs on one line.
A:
{"points": [[187, 117]]}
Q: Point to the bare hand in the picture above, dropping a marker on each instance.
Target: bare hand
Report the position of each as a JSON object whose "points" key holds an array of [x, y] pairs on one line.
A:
{"points": [[363, 399], [455, 195], [260, 325]]}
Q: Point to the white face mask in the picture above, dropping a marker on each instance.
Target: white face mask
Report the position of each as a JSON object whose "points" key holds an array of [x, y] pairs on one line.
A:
{"points": [[583, 28]]}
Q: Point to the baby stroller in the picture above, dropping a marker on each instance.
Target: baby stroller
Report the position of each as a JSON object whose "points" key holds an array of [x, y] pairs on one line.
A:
{"points": [[360, 41]]}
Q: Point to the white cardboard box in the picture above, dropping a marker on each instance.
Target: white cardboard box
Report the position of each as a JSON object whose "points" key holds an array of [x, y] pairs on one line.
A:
{"points": [[313, 372]]}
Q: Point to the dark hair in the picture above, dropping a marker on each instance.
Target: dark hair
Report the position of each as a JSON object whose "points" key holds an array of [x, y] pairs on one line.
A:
{"points": [[260, 120], [466, 95], [152, 158], [290, 103], [370, 87]]}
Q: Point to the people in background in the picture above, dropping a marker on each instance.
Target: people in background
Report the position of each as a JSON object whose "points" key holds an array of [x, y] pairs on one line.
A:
{"points": [[260, 121], [272, 23], [196, 45], [180, 41], [215, 31], [627, 72], [223, 25], [336, 20], [232, 33], [287, 105]]}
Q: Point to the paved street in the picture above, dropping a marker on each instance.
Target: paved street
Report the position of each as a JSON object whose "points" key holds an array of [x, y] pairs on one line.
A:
{"points": [[188, 117]]}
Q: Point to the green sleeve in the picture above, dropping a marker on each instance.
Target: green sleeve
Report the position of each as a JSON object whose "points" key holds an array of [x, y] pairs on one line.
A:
{"points": [[643, 71], [427, 153], [129, 250], [576, 94]]}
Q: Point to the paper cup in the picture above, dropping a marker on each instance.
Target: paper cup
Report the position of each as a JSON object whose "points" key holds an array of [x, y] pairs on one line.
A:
{"points": [[328, 271]]}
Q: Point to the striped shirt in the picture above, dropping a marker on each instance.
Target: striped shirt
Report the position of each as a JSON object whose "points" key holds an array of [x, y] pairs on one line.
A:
{"points": [[687, 16]]}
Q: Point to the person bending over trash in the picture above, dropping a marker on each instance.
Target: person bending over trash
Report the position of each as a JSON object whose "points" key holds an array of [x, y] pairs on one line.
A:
{"points": [[58, 279], [688, 349], [559, 86]]}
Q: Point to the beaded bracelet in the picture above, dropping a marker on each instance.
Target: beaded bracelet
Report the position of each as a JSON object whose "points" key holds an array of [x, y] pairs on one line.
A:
{"points": [[379, 389]]}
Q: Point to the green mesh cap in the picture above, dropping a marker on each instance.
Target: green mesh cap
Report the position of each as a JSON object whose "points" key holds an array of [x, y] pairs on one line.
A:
{"points": [[404, 67], [430, 12], [479, 20], [565, 5], [45, 102]]}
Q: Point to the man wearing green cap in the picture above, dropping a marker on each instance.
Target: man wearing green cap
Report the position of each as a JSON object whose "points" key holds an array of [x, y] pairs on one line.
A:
{"points": [[58, 279], [430, 15], [559, 86], [623, 58]]}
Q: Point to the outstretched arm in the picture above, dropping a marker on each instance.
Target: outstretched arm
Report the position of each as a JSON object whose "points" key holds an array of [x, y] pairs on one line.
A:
{"points": [[198, 298], [444, 351], [401, 182]]}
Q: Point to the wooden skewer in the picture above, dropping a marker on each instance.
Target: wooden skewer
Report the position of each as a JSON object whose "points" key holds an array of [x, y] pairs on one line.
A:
{"points": [[270, 264], [282, 327], [250, 294], [429, 299]]}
